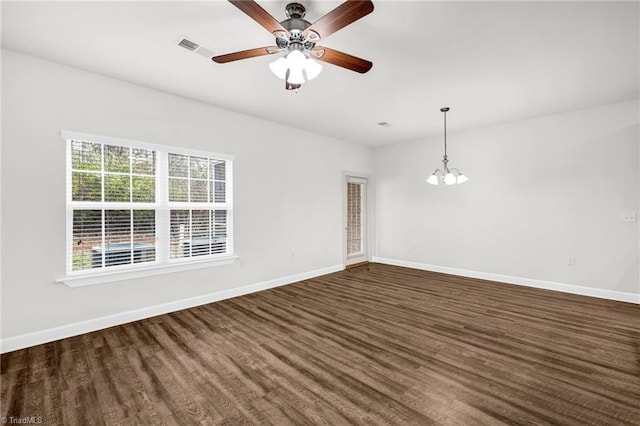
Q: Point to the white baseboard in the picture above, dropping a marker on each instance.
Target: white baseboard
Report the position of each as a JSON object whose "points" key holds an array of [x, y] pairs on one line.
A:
{"points": [[528, 282], [31, 339]]}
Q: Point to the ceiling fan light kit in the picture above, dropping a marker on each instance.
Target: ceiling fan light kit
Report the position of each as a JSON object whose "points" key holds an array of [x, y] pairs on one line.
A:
{"points": [[446, 176], [295, 62], [297, 38]]}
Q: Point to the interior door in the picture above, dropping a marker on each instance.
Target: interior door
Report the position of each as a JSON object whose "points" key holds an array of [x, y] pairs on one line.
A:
{"points": [[355, 240]]}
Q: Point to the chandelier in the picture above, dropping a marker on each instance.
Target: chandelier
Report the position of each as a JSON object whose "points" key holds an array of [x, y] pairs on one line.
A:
{"points": [[446, 176]]}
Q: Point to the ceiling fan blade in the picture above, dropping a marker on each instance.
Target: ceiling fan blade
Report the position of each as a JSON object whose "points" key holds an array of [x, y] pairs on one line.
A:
{"points": [[342, 59], [245, 54], [258, 14], [343, 15]]}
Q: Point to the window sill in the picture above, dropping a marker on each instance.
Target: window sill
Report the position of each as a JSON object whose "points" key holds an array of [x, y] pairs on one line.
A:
{"points": [[85, 279]]}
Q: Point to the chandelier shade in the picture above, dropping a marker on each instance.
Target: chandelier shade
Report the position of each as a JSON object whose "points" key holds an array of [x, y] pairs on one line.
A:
{"points": [[446, 176]]}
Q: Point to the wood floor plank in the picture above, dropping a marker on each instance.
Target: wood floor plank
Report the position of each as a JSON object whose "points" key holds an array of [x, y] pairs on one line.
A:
{"points": [[372, 345]]}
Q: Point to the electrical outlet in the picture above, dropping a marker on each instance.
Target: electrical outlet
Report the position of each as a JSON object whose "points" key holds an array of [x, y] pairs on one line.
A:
{"points": [[630, 217], [571, 261]]}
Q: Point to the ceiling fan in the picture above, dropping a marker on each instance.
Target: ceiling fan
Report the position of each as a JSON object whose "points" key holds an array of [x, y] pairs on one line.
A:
{"points": [[297, 38]]}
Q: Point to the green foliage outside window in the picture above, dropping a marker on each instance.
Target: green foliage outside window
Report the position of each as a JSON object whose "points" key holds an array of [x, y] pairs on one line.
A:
{"points": [[127, 174]]}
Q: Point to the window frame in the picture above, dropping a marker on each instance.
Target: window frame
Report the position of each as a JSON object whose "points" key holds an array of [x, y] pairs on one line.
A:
{"points": [[163, 262]]}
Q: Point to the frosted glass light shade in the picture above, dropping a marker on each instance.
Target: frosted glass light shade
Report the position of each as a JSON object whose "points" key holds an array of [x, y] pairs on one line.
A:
{"points": [[433, 180], [296, 60], [294, 67], [312, 68], [449, 179], [295, 76], [279, 68], [462, 179]]}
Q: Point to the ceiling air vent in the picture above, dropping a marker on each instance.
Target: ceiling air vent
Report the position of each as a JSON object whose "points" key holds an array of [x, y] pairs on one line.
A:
{"points": [[195, 47], [188, 44]]}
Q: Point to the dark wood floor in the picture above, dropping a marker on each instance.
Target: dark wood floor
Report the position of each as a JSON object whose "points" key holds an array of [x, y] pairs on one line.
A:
{"points": [[378, 345]]}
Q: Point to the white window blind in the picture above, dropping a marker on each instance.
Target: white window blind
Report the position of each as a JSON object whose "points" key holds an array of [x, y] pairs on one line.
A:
{"points": [[131, 204]]}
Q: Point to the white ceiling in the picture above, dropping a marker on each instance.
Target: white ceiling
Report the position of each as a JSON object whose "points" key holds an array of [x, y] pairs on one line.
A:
{"points": [[491, 62]]}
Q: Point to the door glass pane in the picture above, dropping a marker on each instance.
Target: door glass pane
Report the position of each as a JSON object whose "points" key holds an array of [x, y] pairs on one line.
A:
{"points": [[354, 218]]}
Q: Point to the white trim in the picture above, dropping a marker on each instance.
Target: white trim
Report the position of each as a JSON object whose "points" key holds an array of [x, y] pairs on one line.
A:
{"points": [[161, 205], [39, 337], [357, 179], [528, 282], [84, 279], [368, 226], [71, 135]]}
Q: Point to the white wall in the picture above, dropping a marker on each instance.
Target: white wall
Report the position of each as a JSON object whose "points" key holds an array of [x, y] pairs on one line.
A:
{"points": [[572, 177], [288, 205], [540, 191]]}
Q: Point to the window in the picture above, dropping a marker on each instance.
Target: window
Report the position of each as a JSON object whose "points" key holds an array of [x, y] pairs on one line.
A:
{"points": [[195, 182], [132, 205]]}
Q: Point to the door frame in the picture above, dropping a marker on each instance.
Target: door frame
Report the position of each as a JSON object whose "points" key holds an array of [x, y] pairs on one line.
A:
{"points": [[368, 230]]}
